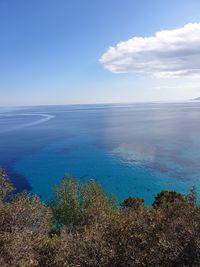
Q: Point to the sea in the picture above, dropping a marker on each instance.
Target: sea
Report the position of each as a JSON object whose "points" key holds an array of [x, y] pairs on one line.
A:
{"points": [[130, 149]]}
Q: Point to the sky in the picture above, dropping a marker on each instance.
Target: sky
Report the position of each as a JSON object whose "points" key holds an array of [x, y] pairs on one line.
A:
{"points": [[98, 51]]}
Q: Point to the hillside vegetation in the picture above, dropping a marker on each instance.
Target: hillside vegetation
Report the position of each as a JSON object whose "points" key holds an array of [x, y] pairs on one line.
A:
{"points": [[83, 226]]}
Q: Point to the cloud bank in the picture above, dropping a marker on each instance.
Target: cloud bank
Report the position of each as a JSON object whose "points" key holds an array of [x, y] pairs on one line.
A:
{"points": [[169, 53]]}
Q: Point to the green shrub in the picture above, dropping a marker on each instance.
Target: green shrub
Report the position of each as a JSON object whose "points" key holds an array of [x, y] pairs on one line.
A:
{"points": [[77, 204], [167, 198], [6, 186], [84, 226], [132, 202]]}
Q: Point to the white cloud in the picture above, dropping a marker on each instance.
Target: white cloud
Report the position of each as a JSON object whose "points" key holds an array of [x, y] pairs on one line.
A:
{"points": [[169, 53]]}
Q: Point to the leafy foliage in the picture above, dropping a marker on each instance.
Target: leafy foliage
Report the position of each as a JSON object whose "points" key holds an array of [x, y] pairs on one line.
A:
{"points": [[78, 204], [132, 202], [5, 185], [83, 226], [166, 198]]}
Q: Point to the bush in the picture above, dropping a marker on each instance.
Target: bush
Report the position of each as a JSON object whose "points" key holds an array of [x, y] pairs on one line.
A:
{"points": [[78, 204], [83, 226], [133, 203], [167, 198], [6, 186]]}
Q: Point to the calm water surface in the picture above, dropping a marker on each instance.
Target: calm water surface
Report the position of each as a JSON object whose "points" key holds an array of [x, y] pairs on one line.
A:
{"points": [[136, 149]]}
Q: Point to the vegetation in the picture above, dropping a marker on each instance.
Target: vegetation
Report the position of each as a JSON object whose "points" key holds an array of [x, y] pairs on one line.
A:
{"points": [[84, 226]]}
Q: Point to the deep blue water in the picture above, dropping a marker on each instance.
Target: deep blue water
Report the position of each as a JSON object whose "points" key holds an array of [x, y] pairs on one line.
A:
{"points": [[136, 149]]}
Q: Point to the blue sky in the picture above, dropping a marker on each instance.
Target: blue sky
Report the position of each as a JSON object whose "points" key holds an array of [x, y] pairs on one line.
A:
{"points": [[50, 51]]}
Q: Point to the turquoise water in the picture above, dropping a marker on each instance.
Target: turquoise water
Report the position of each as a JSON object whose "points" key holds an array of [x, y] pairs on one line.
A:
{"points": [[135, 149]]}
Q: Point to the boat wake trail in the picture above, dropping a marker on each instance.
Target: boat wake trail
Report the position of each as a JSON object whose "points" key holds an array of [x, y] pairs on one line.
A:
{"points": [[43, 118]]}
